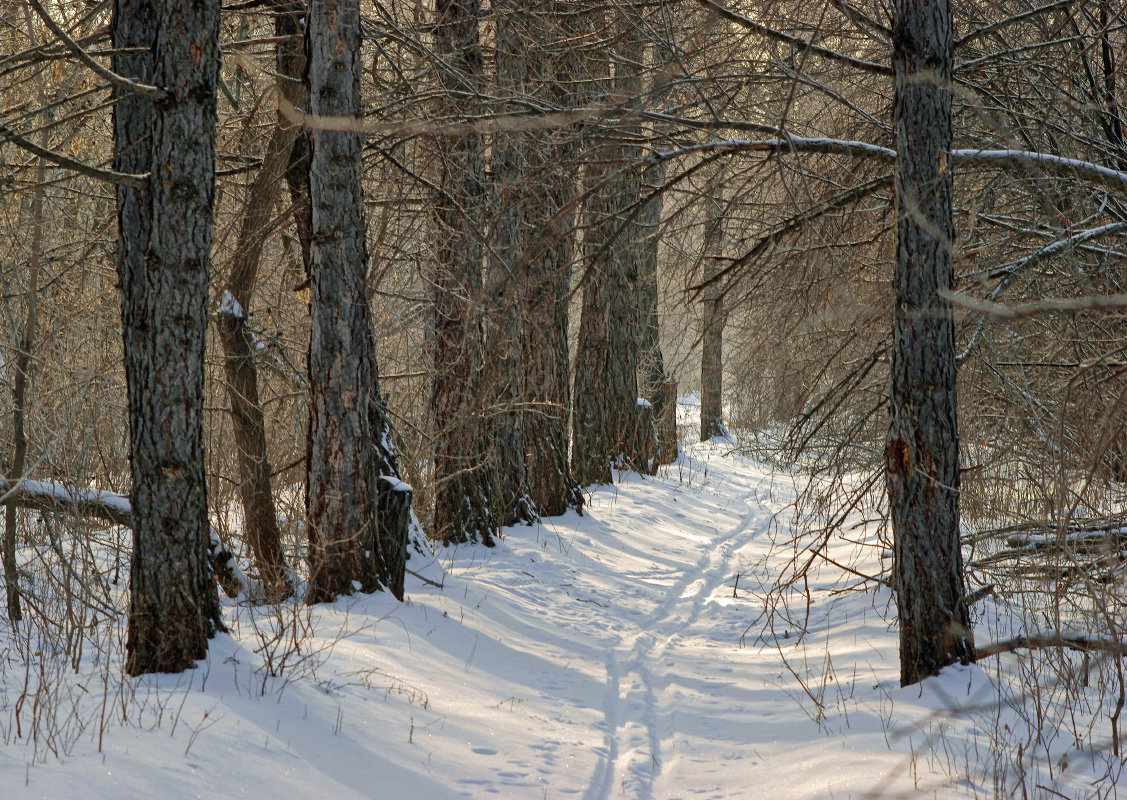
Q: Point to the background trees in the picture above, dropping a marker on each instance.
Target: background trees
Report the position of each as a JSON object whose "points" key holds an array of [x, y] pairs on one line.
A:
{"points": [[538, 184]]}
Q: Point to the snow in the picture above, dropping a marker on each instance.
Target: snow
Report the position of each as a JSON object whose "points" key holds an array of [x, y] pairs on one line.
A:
{"points": [[230, 307], [396, 484], [65, 494], [624, 653]]}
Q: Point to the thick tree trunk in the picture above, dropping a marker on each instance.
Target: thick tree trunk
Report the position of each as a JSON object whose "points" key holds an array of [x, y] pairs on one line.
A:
{"points": [[549, 247], [463, 465], [653, 379], [164, 234], [349, 450], [606, 368], [712, 335], [923, 446], [515, 164], [533, 185]]}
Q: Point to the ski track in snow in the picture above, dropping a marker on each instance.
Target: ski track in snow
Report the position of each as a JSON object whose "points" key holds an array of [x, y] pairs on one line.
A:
{"points": [[681, 606], [595, 657]]}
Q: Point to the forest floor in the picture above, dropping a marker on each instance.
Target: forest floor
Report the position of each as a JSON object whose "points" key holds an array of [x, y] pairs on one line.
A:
{"points": [[608, 655]]}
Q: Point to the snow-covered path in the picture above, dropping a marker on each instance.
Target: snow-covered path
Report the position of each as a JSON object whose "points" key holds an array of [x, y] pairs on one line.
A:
{"points": [[594, 657]]}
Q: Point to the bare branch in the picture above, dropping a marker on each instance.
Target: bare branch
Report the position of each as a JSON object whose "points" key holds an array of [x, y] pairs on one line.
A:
{"points": [[109, 176], [991, 28], [802, 44], [88, 60]]}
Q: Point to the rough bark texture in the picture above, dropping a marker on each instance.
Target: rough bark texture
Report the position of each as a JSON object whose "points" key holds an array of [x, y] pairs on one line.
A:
{"points": [[164, 231], [531, 245], [557, 74], [606, 368], [514, 190], [923, 446], [463, 466], [712, 334], [349, 449]]}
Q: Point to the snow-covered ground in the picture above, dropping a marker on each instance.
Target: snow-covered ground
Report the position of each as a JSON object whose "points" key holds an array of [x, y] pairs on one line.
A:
{"points": [[608, 655]]}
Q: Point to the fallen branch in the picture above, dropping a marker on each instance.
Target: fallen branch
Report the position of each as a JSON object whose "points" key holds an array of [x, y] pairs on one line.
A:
{"points": [[115, 509], [1072, 641]]}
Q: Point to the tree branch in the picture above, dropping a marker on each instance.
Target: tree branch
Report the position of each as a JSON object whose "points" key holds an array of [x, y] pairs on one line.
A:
{"points": [[994, 26], [116, 509], [106, 175], [802, 44], [1073, 641], [88, 60]]}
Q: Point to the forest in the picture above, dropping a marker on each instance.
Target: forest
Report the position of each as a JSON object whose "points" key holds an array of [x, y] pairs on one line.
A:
{"points": [[538, 398]]}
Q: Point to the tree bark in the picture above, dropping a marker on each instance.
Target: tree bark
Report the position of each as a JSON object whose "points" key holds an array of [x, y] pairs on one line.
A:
{"points": [[712, 336], [349, 448], [922, 454], [558, 78], [25, 342], [164, 236], [606, 368], [516, 160], [463, 466]]}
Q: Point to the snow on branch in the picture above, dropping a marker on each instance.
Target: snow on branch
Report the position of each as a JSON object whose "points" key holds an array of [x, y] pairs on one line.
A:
{"points": [[116, 509], [1008, 159]]}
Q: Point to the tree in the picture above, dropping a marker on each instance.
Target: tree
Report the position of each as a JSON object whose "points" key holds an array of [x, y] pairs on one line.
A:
{"points": [[531, 245], [712, 335], [355, 504], [463, 467], [607, 429], [164, 242], [656, 385], [260, 519], [922, 454]]}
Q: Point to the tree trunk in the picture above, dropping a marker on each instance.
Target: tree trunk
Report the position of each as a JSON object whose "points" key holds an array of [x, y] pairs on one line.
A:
{"points": [[260, 519], [515, 164], [557, 73], [349, 450], [712, 336], [164, 235], [25, 342], [294, 89], [654, 381], [463, 467], [606, 368], [923, 447]]}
